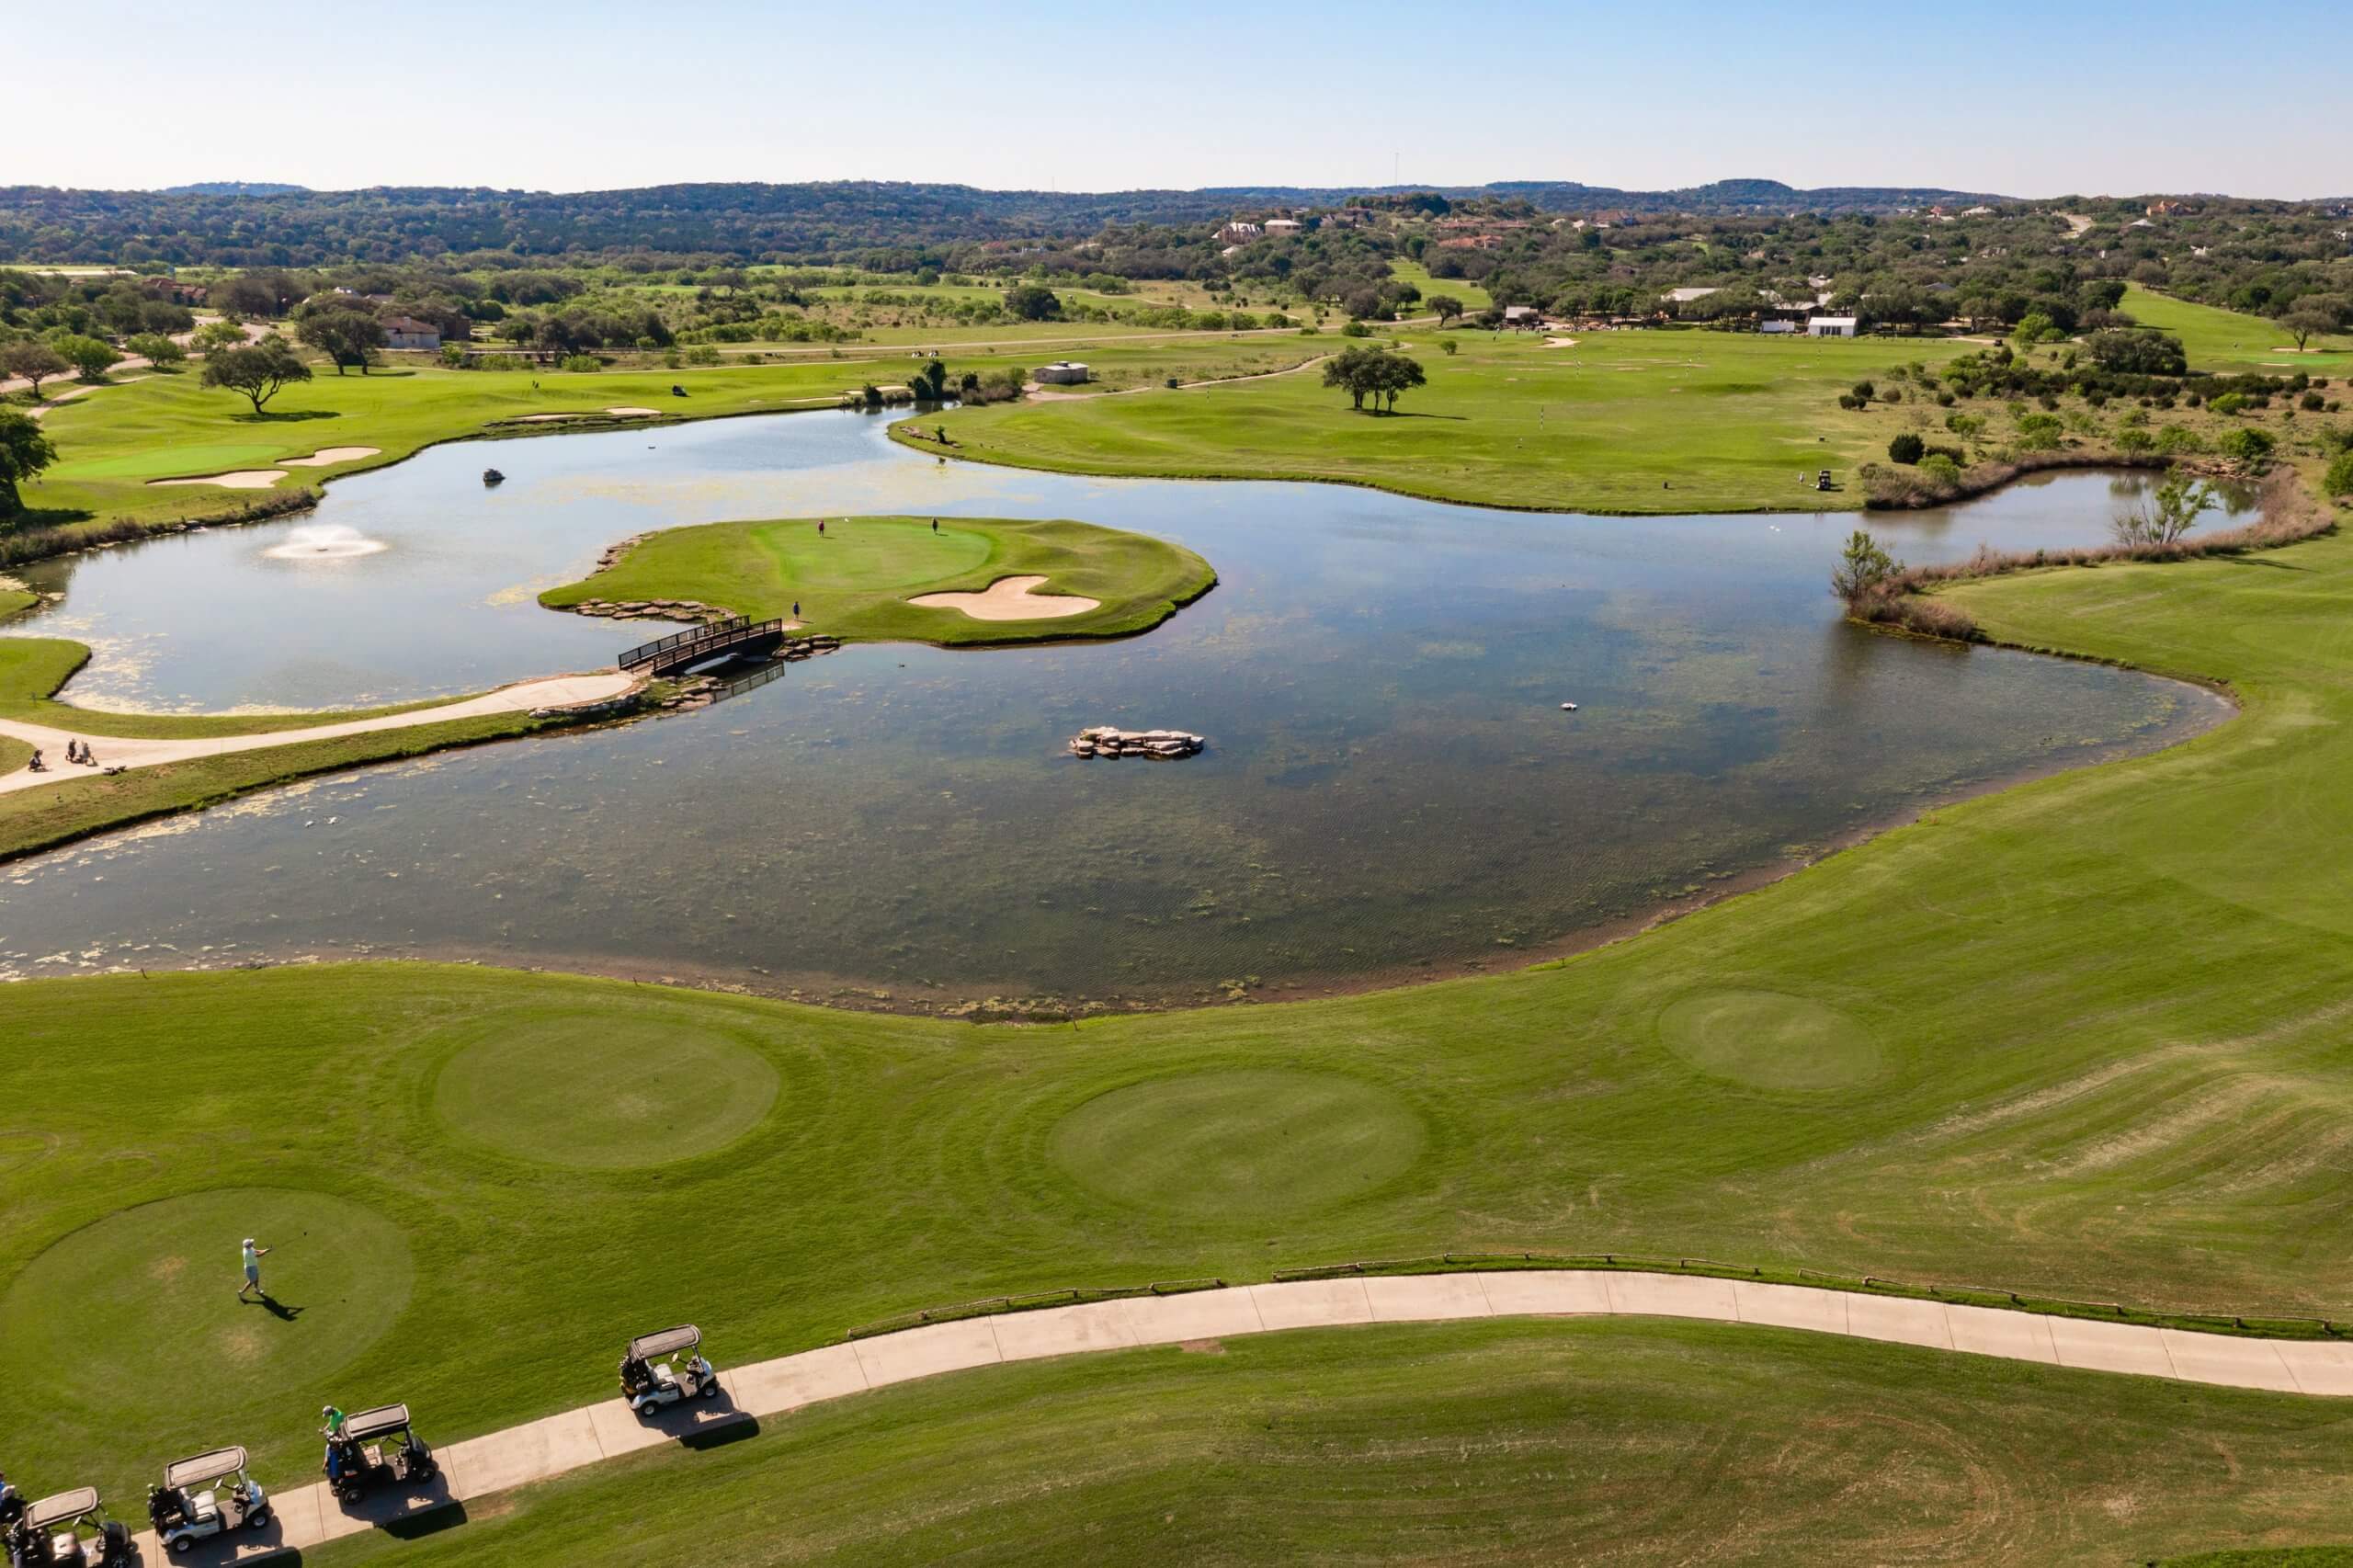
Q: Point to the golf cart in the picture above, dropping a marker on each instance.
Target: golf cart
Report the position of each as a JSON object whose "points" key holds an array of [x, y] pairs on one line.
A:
{"points": [[376, 1448], [208, 1496], [69, 1531], [653, 1376]]}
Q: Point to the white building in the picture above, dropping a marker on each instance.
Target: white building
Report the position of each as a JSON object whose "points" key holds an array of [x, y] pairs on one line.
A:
{"points": [[1063, 373], [1277, 228], [1832, 326], [1685, 296]]}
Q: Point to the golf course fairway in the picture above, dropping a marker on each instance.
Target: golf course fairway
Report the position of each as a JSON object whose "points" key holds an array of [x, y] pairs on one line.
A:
{"points": [[1538, 1441]]}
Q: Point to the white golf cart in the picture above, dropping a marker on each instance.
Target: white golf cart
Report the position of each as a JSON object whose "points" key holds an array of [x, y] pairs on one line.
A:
{"points": [[70, 1530], [653, 1375], [377, 1448], [208, 1496]]}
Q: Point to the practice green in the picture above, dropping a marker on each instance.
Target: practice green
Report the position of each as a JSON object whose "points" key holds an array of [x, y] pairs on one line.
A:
{"points": [[1271, 1144], [593, 1089]]}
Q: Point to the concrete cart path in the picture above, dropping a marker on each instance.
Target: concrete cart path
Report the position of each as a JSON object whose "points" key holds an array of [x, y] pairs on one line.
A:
{"points": [[308, 1516], [555, 691]]}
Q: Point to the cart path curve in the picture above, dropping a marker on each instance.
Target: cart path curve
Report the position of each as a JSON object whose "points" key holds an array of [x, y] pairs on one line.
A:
{"points": [[554, 1446], [127, 751]]}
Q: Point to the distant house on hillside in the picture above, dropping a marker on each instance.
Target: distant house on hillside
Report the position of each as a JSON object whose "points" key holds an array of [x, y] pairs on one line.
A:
{"points": [[1278, 228], [1832, 326], [1523, 316], [1240, 234], [1063, 373], [407, 332], [172, 288], [1686, 296]]}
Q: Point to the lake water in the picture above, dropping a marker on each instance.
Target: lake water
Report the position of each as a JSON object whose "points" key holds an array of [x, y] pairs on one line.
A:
{"points": [[1391, 787]]}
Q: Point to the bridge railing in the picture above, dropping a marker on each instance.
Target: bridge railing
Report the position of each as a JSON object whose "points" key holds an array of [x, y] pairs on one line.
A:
{"points": [[685, 647], [646, 652]]}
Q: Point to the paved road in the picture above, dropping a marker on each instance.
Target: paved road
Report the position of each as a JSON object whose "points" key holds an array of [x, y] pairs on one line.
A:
{"points": [[555, 691], [480, 1466]]}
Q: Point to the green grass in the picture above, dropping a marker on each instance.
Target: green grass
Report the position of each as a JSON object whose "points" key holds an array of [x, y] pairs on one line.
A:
{"points": [[1472, 296], [2226, 340], [112, 442], [33, 668], [1634, 422], [2085, 1037], [1591, 1441], [856, 579]]}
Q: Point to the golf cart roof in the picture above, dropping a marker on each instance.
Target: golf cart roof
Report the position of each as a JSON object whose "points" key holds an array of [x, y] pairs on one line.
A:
{"points": [[685, 1337], [63, 1506], [377, 1421], [204, 1467]]}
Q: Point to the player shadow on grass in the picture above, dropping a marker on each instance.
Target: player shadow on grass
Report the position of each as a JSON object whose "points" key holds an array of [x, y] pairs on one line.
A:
{"points": [[278, 1309]]}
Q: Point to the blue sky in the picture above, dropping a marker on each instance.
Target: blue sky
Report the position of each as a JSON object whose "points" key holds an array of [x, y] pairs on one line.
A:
{"points": [[2026, 99]]}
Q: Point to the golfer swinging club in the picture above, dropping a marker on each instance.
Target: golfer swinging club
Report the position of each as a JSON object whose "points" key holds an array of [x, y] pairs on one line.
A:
{"points": [[253, 1255]]}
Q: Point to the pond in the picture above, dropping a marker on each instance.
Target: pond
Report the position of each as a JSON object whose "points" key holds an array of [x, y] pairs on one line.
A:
{"points": [[1390, 789]]}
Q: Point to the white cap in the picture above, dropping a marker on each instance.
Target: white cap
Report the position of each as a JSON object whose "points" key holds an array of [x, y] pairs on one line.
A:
{"points": [[249, 1241]]}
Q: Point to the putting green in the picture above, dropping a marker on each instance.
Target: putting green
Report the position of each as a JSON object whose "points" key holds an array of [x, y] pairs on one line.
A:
{"points": [[594, 1090], [1239, 1143], [143, 1304], [1770, 1040]]}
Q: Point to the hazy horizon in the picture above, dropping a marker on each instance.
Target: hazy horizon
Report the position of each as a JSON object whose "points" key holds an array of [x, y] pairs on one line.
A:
{"points": [[2030, 102]]}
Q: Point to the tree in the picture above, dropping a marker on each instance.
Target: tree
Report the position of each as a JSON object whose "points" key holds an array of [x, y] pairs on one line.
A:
{"points": [[156, 349], [1374, 372], [1032, 302], [1448, 307], [256, 372], [931, 383], [2165, 514], [2135, 352], [1394, 373], [1449, 346], [347, 335], [89, 355], [1863, 566], [24, 452], [2036, 327], [2308, 319], [1346, 368], [33, 363], [1906, 449], [227, 333]]}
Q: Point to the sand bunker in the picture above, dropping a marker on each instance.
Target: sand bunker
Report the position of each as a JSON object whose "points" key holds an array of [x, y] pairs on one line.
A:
{"points": [[1559, 343], [636, 413], [239, 479], [1010, 598], [326, 456]]}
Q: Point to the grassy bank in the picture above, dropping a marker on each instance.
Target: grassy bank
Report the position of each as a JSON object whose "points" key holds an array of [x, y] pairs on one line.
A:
{"points": [[1632, 422], [1585, 1441], [856, 579], [33, 668]]}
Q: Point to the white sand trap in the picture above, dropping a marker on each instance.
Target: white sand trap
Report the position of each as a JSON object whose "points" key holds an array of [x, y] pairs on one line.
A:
{"points": [[539, 418], [1559, 343], [1010, 598], [636, 413], [327, 456], [238, 479]]}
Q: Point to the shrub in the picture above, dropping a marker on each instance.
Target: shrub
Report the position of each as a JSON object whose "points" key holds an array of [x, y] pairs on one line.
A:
{"points": [[2175, 439], [2040, 433], [2311, 402], [1354, 329], [1864, 390], [1906, 449], [2339, 480], [580, 362], [1849, 401], [2229, 403], [1940, 468], [2247, 443]]}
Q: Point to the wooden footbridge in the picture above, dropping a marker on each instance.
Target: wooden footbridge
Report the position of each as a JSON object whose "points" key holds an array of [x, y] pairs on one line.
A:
{"points": [[734, 635]]}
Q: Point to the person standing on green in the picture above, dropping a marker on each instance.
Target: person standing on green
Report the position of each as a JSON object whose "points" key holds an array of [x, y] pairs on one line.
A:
{"points": [[252, 1257]]}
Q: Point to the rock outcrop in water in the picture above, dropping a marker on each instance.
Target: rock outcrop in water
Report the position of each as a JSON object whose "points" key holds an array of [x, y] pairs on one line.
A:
{"points": [[1160, 746]]}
